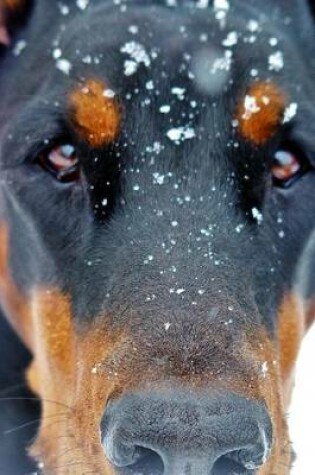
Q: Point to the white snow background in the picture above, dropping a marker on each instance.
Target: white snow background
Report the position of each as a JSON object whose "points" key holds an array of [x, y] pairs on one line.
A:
{"points": [[302, 410]]}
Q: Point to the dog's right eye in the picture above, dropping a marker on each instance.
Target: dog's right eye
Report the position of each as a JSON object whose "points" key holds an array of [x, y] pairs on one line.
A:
{"points": [[60, 161], [289, 164]]}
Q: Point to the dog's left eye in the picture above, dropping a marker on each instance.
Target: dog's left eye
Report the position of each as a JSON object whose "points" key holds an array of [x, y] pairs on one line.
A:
{"points": [[61, 162], [286, 168]]}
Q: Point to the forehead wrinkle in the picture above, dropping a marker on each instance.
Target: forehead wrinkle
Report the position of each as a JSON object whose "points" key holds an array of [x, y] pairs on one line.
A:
{"points": [[260, 112], [95, 115]]}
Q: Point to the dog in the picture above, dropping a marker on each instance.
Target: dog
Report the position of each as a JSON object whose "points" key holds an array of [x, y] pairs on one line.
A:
{"points": [[157, 233]]}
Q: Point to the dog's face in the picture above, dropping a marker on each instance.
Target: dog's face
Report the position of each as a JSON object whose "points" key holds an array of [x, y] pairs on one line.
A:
{"points": [[157, 181]]}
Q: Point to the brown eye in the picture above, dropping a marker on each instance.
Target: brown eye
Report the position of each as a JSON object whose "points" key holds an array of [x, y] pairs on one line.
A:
{"points": [[286, 167], [62, 162]]}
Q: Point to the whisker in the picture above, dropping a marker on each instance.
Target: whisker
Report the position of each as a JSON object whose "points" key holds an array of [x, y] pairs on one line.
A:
{"points": [[13, 388], [37, 399], [20, 427], [27, 424]]}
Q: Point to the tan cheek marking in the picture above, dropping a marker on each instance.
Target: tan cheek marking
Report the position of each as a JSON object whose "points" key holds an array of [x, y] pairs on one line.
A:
{"points": [[260, 112], [47, 331], [95, 116], [14, 303], [53, 341], [79, 386], [291, 328], [263, 350], [73, 397], [44, 320], [52, 372]]}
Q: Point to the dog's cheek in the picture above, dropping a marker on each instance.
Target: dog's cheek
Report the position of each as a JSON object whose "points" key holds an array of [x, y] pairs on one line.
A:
{"points": [[53, 342], [41, 317], [291, 328], [62, 372], [262, 348], [13, 303], [73, 391]]}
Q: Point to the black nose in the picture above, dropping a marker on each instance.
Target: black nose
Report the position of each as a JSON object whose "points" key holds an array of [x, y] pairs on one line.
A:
{"points": [[178, 433]]}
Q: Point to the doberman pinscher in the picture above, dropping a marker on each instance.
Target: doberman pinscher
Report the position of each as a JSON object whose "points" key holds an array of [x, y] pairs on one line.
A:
{"points": [[157, 235]]}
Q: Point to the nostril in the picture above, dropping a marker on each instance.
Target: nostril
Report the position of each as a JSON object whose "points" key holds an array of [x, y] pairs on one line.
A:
{"points": [[254, 456], [226, 466], [144, 461], [244, 461], [248, 459]]}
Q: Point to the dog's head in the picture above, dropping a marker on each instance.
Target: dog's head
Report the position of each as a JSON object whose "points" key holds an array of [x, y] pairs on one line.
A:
{"points": [[157, 211]]}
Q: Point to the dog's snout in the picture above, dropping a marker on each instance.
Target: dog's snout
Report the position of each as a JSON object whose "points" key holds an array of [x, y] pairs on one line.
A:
{"points": [[178, 433]]}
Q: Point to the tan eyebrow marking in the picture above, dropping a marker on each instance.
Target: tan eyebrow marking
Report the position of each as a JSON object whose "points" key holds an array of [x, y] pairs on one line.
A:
{"points": [[95, 113], [261, 111]]}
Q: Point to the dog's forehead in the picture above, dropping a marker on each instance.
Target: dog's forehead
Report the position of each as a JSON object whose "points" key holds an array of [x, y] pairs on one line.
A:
{"points": [[166, 39], [183, 68]]}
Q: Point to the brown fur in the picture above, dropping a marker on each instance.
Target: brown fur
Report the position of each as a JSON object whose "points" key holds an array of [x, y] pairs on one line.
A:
{"points": [[291, 329], [262, 350], [96, 118], [259, 127], [13, 301], [68, 440]]}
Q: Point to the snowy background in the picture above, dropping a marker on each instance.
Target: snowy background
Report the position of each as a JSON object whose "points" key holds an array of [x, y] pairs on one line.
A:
{"points": [[302, 411]]}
